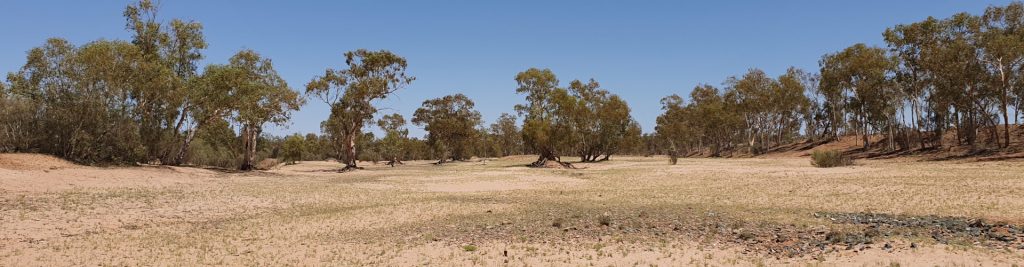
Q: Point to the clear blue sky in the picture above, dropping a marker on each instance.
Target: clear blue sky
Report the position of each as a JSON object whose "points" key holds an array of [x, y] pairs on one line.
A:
{"points": [[641, 50]]}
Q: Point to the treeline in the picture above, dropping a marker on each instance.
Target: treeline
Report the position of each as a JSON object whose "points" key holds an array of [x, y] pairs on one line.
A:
{"points": [[147, 101], [143, 100], [959, 74], [581, 120], [502, 138]]}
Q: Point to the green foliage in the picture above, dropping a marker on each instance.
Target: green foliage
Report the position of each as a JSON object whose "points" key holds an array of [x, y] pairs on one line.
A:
{"points": [[582, 119], [710, 121], [75, 99], [139, 101], [216, 145], [145, 100], [829, 158], [771, 108], [293, 148], [370, 76], [261, 97], [396, 136], [961, 73], [451, 123], [540, 113], [861, 74], [506, 137], [599, 122]]}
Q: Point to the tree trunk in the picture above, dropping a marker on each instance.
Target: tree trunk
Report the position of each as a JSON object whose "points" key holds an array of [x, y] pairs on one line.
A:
{"points": [[1006, 123], [915, 119], [864, 129], [1004, 101], [350, 151], [249, 142], [183, 149], [547, 155]]}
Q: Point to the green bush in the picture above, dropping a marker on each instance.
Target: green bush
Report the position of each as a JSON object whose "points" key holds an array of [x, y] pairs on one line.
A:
{"points": [[294, 146], [829, 158]]}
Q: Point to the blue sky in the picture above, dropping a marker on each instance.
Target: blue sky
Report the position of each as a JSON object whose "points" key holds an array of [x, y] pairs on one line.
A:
{"points": [[641, 50]]}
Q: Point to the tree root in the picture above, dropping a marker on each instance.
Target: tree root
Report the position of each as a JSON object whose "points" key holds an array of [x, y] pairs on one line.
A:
{"points": [[349, 168], [542, 163], [395, 161]]}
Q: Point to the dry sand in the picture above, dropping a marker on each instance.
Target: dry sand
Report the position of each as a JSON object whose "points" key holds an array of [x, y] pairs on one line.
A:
{"points": [[629, 211]]}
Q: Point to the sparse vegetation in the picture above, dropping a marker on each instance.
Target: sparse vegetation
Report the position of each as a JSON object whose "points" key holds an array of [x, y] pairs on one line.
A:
{"points": [[558, 223], [604, 220], [727, 205], [830, 158], [941, 86]]}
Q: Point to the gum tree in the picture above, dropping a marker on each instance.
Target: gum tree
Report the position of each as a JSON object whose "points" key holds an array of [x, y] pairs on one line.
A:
{"points": [[450, 122], [370, 76]]}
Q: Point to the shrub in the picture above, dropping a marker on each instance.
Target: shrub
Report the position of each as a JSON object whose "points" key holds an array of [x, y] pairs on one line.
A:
{"points": [[829, 158], [294, 146], [558, 223], [267, 164], [604, 220]]}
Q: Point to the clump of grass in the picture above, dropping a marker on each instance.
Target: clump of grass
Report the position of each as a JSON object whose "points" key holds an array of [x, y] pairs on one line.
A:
{"points": [[469, 248], [829, 158], [746, 235], [559, 222], [605, 220]]}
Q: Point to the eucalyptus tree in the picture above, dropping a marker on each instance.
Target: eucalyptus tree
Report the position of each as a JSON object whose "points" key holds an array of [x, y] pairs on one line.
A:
{"points": [[450, 122], [170, 54], [860, 74], [772, 109], [155, 90], [293, 148], [617, 131], [351, 93], [3, 90], [711, 121], [674, 126], [194, 101], [755, 95], [791, 105], [260, 95], [508, 138], [541, 113], [716, 115], [75, 99], [599, 121], [1000, 35], [959, 78], [392, 146], [910, 45], [211, 98]]}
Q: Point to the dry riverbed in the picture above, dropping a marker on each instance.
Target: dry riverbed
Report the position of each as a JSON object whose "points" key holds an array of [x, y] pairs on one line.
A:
{"points": [[628, 211]]}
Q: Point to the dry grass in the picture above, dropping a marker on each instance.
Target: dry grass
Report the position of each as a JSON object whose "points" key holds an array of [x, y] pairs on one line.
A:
{"points": [[628, 211]]}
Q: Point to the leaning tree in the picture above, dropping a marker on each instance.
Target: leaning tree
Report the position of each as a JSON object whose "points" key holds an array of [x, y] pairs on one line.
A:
{"points": [[351, 93], [546, 127]]}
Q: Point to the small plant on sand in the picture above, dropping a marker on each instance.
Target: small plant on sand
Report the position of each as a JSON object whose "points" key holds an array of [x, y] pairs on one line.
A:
{"points": [[469, 248], [829, 158], [604, 220], [558, 223]]}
